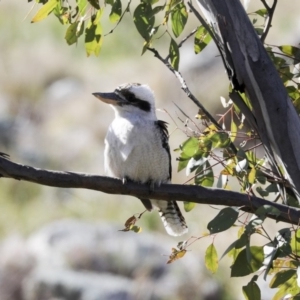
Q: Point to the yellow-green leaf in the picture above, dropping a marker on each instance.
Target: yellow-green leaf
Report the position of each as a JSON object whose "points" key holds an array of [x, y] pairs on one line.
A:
{"points": [[82, 4], [188, 206], [116, 11], [174, 54], [73, 32], [45, 10], [93, 35], [211, 258], [202, 39], [234, 130]]}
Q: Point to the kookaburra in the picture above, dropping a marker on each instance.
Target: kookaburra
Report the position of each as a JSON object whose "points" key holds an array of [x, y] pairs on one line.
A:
{"points": [[137, 148]]}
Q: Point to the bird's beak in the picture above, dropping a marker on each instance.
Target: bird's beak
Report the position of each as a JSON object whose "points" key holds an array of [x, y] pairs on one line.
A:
{"points": [[110, 98]]}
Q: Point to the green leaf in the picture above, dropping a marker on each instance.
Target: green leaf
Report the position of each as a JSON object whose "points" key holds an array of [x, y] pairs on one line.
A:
{"points": [[295, 242], [190, 147], [94, 3], [179, 18], [157, 9], [116, 11], [45, 10], [224, 220], [144, 20], [251, 291], [211, 258], [291, 50], [242, 266], [220, 140], [202, 39], [204, 175], [73, 32], [264, 210], [262, 12], [82, 4], [262, 192], [174, 54], [233, 130], [281, 277], [188, 206], [93, 35]]}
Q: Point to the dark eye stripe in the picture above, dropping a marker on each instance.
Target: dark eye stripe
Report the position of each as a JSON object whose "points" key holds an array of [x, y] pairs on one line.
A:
{"points": [[132, 100]]}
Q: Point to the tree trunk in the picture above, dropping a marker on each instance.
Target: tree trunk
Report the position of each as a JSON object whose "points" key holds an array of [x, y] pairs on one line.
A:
{"points": [[251, 70]]}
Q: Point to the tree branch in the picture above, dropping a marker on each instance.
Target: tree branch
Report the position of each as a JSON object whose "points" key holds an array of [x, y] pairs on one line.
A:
{"points": [[167, 192], [270, 11]]}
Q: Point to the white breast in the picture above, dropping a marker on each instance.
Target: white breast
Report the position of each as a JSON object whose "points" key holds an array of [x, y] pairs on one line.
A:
{"points": [[134, 149]]}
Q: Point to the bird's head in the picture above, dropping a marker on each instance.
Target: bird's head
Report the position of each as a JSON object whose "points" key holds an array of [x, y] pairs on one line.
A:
{"points": [[131, 99]]}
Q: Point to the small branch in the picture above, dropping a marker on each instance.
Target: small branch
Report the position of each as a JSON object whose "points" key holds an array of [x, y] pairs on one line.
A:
{"points": [[121, 18], [167, 192], [183, 41], [184, 86], [268, 25]]}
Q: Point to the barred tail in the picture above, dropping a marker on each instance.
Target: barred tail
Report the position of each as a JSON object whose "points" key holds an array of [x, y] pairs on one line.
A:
{"points": [[171, 216]]}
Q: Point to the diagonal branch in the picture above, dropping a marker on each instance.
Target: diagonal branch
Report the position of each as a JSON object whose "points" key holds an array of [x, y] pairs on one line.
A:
{"points": [[268, 25], [167, 192]]}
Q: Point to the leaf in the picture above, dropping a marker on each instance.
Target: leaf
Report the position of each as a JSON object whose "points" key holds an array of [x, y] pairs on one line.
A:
{"points": [[116, 11], [45, 10], [204, 175], [239, 243], [179, 17], [223, 221], [264, 210], [190, 147], [188, 206], [291, 50], [144, 20], [82, 5], [94, 3], [176, 254], [220, 140], [243, 267], [281, 278], [174, 54], [93, 35], [202, 39], [73, 33], [233, 131], [295, 242], [136, 229], [262, 12], [251, 291], [211, 258]]}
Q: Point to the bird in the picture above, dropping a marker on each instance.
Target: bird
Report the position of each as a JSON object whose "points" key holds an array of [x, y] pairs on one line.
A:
{"points": [[137, 148]]}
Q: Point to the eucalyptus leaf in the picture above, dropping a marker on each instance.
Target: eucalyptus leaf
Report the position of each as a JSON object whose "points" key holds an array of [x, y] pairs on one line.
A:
{"points": [[179, 18], [44, 11], [224, 220], [174, 54]]}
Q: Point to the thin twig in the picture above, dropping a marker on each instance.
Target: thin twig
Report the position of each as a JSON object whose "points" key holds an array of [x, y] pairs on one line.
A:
{"points": [[183, 41], [268, 25], [124, 12]]}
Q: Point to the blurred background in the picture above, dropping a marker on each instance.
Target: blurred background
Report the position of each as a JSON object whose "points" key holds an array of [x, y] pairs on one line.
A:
{"points": [[64, 243]]}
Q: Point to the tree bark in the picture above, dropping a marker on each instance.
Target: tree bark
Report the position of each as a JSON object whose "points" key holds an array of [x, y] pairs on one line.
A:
{"points": [[251, 70], [167, 192]]}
